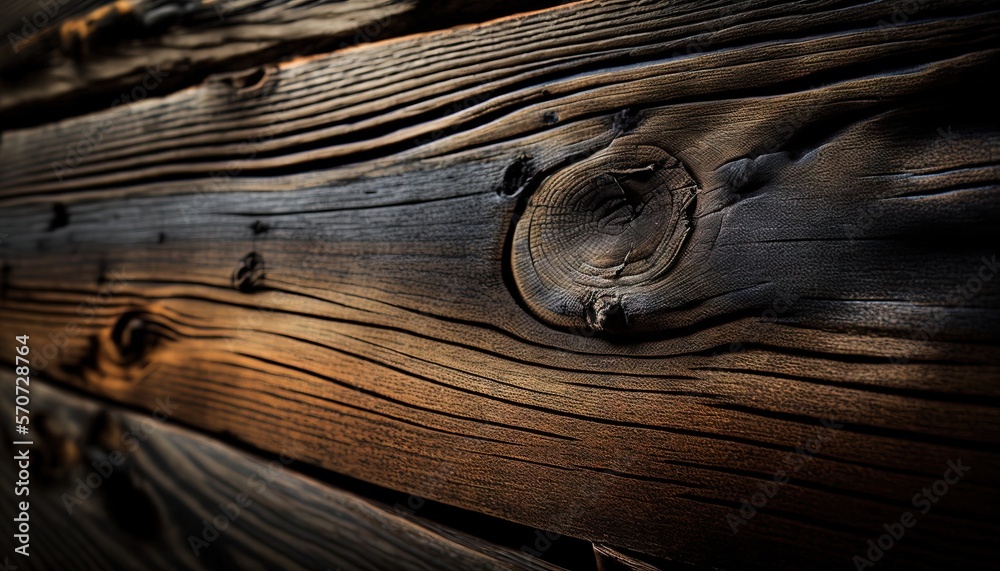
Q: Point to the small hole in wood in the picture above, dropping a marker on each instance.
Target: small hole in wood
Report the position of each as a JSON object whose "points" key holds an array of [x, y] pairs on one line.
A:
{"points": [[249, 274], [515, 177], [259, 227], [60, 216], [131, 336], [625, 121]]}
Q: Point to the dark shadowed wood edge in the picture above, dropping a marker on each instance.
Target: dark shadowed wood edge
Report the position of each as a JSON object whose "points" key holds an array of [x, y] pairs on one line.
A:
{"points": [[111, 489]]}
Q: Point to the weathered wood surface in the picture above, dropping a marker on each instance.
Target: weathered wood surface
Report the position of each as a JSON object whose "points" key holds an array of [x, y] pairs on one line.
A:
{"points": [[62, 57], [339, 258], [156, 485]]}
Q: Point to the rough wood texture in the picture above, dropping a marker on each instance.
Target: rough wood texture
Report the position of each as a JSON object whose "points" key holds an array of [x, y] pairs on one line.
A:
{"points": [[60, 57], [333, 257], [594, 248], [145, 508]]}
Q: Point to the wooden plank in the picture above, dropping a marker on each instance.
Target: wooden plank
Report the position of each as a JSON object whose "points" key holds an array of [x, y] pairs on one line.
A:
{"points": [[111, 489], [64, 56], [89, 49], [339, 258]]}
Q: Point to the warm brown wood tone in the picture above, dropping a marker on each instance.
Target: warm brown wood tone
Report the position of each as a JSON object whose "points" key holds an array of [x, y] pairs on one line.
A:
{"points": [[332, 258], [58, 57], [102, 49], [157, 485]]}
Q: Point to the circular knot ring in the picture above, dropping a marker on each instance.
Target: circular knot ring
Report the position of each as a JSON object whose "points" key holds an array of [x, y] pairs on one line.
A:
{"points": [[597, 236]]}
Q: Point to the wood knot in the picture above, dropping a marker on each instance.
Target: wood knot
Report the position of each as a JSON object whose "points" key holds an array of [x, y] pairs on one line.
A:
{"points": [[258, 81], [60, 216], [516, 176], [598, 237], [131, 337], [249, 273], [606, 313], [259, 227]]}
